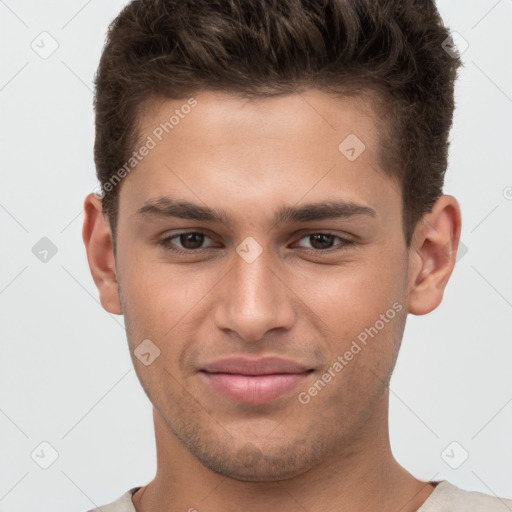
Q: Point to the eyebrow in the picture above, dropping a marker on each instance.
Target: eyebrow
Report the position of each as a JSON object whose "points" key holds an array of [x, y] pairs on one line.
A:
{"points": [[164, 207]]}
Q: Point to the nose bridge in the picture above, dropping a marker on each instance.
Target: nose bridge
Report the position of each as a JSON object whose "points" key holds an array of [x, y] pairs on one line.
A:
{"points": [[253, 299], [253, 277]]}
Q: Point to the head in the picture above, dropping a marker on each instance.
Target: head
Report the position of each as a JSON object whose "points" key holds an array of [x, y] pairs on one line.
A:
{"points": [[305, 144]]}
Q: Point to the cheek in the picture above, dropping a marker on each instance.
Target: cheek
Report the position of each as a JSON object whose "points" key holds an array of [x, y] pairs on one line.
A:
{"points": [[365, 314], [354, 295], [159, 298]]}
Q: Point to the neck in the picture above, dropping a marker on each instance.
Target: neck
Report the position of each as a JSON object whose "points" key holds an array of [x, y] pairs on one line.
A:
{"points": [[361, 476]]}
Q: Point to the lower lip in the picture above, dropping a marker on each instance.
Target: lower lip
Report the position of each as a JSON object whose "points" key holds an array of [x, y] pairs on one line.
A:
{"points": [[254, 389]]}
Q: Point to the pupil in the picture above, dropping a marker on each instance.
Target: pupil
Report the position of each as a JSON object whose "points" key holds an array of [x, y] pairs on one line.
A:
{"points": [[196, 240], [321, 236]]}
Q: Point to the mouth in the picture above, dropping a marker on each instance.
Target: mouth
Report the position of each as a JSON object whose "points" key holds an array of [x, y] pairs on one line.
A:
{"points": [[254, 389], [254, 381]]}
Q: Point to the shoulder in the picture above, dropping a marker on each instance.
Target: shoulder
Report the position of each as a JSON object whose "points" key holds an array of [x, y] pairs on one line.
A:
{"points": [[450, 498], [122, 504]]}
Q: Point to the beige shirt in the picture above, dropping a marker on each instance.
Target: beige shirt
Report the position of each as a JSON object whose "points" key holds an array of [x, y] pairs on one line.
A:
{"points": [[446, 497]]}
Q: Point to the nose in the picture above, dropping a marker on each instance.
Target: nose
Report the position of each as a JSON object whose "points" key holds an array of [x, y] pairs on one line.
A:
{"points": [[253, 298]]}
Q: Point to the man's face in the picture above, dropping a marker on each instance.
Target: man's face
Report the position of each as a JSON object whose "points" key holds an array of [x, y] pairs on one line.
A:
{"points": [[306, 297]]}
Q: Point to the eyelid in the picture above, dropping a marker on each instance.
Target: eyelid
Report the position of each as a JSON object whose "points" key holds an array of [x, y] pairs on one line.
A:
{"points": [[345, 241], [167, 238]]}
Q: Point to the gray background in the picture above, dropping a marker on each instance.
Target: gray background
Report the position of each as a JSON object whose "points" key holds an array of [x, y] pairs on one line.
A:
{"points": [[66, 377]]}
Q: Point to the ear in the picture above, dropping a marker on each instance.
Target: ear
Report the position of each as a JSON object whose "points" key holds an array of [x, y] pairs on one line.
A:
{"points": [[432, 255], [97, 237]]}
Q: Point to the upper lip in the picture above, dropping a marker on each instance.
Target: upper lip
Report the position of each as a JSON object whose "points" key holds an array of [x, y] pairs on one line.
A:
{"points": [[261, 366]]}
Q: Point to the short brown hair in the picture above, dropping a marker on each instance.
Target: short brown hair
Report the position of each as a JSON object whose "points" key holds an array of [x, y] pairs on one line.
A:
{"points": [[390, 51]]}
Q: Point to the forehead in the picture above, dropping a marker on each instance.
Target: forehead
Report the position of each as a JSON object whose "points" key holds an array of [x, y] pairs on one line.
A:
{"points": [[263, 115], [301, 146]]}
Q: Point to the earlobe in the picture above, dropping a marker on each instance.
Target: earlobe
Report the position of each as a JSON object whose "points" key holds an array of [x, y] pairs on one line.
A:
{"points": [[97, 237], [432, 255]]}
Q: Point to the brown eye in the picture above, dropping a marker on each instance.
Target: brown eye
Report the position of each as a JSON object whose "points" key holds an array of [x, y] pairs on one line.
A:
{"points": [[323, 242], [185, 243], [191, 240]]}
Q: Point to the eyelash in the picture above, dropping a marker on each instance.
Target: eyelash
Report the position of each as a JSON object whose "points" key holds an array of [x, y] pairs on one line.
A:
{"points": [[344, 245]]}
